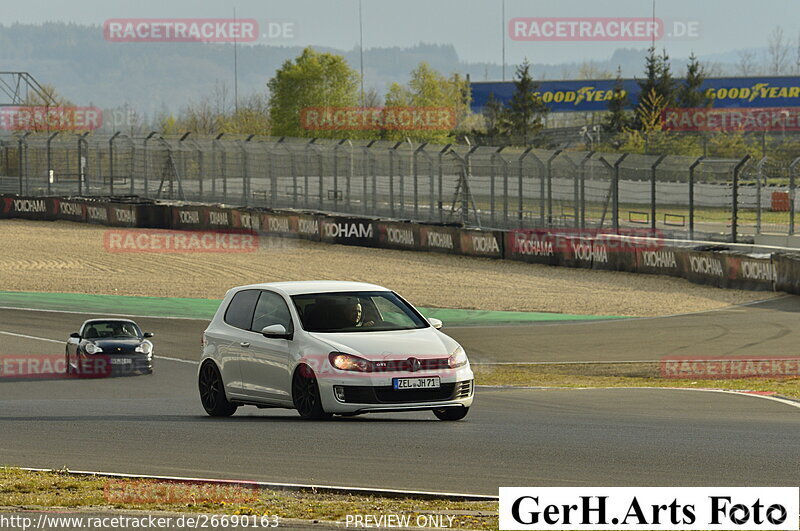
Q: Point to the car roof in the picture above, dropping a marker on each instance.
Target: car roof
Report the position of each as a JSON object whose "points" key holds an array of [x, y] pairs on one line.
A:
{"points": [[98, 319], [314, 286]]}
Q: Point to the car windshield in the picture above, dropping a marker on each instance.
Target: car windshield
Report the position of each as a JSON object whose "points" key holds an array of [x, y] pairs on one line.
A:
{"points": [[106, 329], [362, 311]]}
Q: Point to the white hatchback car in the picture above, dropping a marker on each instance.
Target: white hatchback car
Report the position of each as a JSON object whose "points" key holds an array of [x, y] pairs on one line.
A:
{"points": [[327, 347]]}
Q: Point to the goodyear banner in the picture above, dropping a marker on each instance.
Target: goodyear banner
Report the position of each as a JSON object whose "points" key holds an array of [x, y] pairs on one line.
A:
{"points": [[594, 95]]}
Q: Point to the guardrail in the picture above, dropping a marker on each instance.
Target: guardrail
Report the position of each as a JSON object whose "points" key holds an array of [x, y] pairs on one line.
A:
{"points": [[627, 250]]}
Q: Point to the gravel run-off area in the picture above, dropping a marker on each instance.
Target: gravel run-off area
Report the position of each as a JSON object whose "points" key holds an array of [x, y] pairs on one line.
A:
{"points": [[71, 257]]}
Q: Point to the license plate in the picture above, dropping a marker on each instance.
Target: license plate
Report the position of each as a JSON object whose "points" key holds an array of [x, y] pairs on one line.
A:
{"points": [[120, 361], [428, 382]]}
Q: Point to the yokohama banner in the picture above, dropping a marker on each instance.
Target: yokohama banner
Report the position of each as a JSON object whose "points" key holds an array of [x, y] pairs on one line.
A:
{"points": [[39, 208], [348, 231], [481, 243], [397, 235], [440, 239], [787, 272], [190, 217], [537, 246]]}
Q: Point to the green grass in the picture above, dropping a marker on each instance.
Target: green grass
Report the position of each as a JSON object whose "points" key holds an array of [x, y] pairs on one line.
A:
{"points": [[21, 488]]}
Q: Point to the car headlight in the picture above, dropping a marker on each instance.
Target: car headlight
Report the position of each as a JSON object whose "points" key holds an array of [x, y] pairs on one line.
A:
{"points": [[91, 348], [145, 347], [457, 359], [348, 362]]}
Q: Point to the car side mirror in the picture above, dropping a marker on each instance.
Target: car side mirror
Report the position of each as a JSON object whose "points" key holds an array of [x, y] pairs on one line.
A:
{"points": [[276, 331], [436, 323], [75, 335], [148, 334]]}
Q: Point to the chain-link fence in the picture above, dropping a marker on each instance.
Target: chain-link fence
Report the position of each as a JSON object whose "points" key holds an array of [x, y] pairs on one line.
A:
{"points": [[482, 186]]}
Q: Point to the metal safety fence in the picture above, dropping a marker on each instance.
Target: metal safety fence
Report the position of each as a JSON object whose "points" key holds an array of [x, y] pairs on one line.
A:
{"points": [[479, 186]]}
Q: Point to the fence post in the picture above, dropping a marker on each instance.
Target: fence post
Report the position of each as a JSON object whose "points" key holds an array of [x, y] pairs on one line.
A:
{"points": [[416, 180], [550, 187], [792, 189], [146, 163], [582, 189], [201, 170], [392, 151], [691, 195], [111, 163], [80, 167], [653, 197], [759, 176], [350, 174], [615, 193], [216, 143], [49, 162], [368, 165], [442, 151], [492, 177], [735, 199], [23, 159]]}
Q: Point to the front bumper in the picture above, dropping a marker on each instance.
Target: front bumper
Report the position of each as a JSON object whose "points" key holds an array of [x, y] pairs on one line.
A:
{"points": [[107, 365], [363, 393]]}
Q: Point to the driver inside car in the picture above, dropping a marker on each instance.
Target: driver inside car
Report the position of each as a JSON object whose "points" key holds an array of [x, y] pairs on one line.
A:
{"points": [[355, 314]]}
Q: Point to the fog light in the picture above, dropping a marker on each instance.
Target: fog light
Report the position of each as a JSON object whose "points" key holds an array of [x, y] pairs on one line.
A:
{"points": [[338, 392]]}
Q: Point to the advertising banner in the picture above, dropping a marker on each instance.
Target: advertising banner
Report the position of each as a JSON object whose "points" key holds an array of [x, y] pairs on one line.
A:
{"points": [[787, 272], [189, 217], [594, 95], [481, 243], [38, 208], [348, 231], [439, 239], [398, 235]]}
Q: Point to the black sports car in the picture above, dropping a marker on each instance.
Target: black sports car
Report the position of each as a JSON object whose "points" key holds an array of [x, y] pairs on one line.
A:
{"points": [[109, 347]]}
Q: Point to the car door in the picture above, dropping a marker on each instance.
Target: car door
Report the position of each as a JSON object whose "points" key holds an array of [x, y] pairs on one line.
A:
{"points": [[265, 364], [232, 338]]}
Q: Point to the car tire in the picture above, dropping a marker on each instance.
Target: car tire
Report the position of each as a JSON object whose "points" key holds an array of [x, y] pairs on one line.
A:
{"points": [[451, 413], [212, 392], [305, 394]]}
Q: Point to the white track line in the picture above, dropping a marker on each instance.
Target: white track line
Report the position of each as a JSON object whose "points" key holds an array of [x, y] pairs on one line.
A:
{"points": [[744, 393], [31, 337], [24, 336], [287, 486]]}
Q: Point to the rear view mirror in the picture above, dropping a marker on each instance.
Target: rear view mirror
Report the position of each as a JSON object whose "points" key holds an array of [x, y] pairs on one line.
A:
{"points": [[276, 331], [436, 323], [148, 334], [75, 335]]}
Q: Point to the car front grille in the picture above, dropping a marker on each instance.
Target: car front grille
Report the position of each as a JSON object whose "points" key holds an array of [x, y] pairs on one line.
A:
{"points": [[362, 394]]}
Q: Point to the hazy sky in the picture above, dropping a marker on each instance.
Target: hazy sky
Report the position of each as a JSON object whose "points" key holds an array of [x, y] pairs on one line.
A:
{"points": [[474, 27]]}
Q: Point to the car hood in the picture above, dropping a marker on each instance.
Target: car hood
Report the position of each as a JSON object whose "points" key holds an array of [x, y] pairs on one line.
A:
{"points": [[110, 345], [426, 343]]}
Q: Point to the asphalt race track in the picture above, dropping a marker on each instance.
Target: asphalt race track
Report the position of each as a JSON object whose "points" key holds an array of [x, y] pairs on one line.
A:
{"points": [[155, 424]]}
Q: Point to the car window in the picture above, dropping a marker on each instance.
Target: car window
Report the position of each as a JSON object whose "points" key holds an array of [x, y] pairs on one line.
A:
{"points": [[241, 308], [363, 311], [270, 310], [104, 329]]}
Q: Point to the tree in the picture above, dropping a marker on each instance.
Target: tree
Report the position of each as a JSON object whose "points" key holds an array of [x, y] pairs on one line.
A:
{"points": [[690, 93], [658, 80], [618, 119], [747, 63], [429, 88], [526, 110], [778, 51], [493, 113], [313, 79]]}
